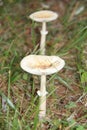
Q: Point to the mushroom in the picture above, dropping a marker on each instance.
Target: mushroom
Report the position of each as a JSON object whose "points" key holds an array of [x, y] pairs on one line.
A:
{"points": [[43, 16], [42, 65]]}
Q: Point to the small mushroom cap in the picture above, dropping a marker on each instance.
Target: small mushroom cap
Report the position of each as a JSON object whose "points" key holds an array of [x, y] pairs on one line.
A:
{"points": [[40, 64], [44, 16]]}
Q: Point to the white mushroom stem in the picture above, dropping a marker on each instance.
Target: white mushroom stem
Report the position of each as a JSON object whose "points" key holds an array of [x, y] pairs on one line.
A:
{"points": [[43, 38], [42, 108]]}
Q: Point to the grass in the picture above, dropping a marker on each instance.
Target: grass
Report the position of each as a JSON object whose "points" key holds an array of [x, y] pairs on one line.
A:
{"points": [[18, 38]]}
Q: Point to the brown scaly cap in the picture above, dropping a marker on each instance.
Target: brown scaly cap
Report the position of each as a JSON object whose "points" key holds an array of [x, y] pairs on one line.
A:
{"points": [[40, 64], [44, 16]]}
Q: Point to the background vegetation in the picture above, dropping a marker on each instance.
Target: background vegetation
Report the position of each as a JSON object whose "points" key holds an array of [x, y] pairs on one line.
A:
{"points": [[67, 38]]}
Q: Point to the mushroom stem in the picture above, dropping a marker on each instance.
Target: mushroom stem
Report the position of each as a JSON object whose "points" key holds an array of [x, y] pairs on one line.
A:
{"points": [[43, 38], [42, 107]]}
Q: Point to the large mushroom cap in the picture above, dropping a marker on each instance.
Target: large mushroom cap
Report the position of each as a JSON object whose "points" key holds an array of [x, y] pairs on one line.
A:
{"points": [[44, 16], [39, 64]]}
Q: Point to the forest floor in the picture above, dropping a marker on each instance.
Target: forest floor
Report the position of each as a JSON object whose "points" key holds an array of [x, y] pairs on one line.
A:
{"points": [[67, 89]]}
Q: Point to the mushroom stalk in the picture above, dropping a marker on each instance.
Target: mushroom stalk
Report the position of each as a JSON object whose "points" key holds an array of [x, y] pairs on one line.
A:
{"points": [[43, 38], [42, 108]]}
